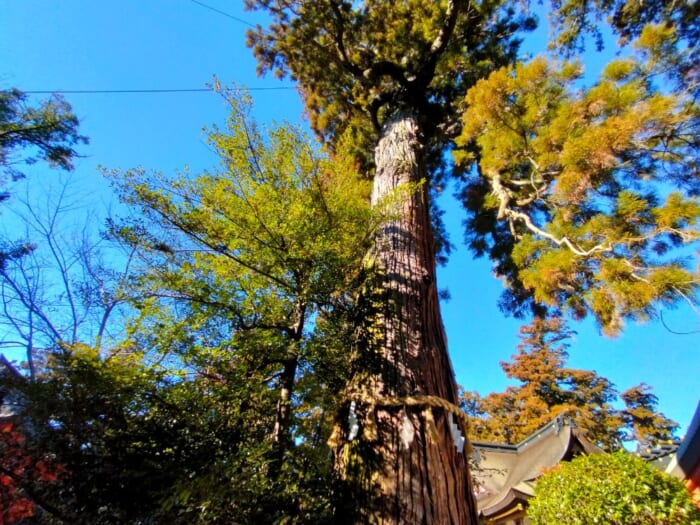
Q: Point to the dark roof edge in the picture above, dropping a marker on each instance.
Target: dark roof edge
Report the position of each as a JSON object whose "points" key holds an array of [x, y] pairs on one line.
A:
{"points": [[501, 447], [4, 362], [588, 446], [688, 453], [508, 498], [554, 426]]}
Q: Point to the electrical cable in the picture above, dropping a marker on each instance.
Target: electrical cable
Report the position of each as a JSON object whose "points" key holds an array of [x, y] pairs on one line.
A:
{"points": [[126, 91], [186, 90], [240, 20]]}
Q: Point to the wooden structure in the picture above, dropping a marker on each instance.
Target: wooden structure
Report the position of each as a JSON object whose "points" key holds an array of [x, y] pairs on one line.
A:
{"points": [[505, 474], [686, 462]]}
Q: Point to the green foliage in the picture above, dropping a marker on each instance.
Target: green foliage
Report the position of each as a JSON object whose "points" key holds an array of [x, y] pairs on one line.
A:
{"points": [[563, 188], [132, 443], [581, 184], [574, 20], [610, 489], [585, 172], [247, 279], [248, 274], [547, 388], [555, 160], [86, 417], [217, 404], [278, 234], [290, 220], [47, 132], [219, 428], [357, 64]]}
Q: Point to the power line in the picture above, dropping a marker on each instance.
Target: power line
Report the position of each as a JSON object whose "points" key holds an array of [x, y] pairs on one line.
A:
{"points": [[74, 91], [228, 15], [111, 91], [185, 90]]}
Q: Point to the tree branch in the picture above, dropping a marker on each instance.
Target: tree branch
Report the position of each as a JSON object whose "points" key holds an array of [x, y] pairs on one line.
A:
{"points": [[504, 211], [439, 44]]}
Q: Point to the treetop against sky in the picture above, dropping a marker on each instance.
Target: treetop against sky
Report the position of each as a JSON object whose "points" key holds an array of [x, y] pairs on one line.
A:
{"points": [[131, 45]]}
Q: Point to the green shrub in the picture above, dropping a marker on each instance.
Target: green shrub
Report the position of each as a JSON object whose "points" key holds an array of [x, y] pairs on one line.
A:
{"points": [[611, 489]]}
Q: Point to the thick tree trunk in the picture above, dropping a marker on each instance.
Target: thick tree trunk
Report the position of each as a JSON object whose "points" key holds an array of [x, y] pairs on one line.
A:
{"points": [[400, 463]]}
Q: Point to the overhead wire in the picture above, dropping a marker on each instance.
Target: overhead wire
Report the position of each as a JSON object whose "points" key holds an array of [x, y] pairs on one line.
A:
{"points": [[167, 90], [126, 91], [224, 13]]}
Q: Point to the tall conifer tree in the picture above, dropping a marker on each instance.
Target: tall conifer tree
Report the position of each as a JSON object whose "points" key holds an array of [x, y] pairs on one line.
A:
{"points": [[390, 79], [547, 388]]}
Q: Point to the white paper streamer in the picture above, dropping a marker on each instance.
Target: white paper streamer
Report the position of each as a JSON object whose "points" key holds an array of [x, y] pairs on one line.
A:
{"points": [[353, 424], [457, 437], [408, 433]]}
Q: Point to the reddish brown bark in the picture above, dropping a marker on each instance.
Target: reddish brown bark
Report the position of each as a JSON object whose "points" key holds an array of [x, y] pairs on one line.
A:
{"points": [[383, 477]]}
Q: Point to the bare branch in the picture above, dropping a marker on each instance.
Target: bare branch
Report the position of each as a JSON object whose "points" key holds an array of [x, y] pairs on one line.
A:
{"points": [[504, 211]]}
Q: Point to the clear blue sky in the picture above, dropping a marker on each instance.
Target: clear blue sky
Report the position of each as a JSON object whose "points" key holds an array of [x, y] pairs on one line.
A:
{"points": [[177, 44]]}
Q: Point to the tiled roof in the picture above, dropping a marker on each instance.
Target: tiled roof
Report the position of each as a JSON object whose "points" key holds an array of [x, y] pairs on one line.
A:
{"points": [[506, 473]]}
